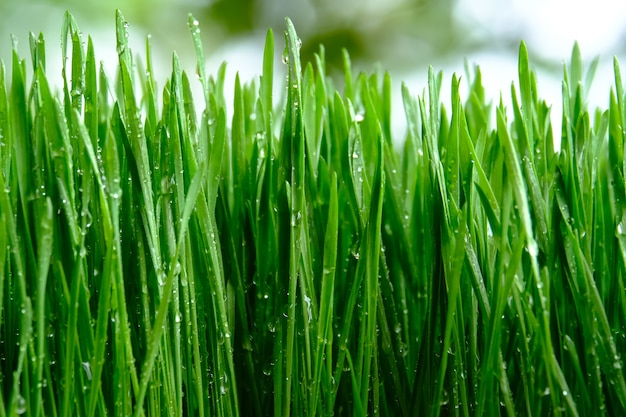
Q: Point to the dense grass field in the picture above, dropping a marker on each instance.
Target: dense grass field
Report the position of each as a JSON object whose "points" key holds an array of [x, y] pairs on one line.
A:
{"points": [[288, 256]]}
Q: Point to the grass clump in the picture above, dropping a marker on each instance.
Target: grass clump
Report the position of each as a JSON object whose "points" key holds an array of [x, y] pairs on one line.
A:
{"points": [[290, 260]]}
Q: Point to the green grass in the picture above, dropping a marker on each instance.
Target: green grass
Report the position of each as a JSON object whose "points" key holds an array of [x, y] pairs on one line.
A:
{"points": [[294, 258]]}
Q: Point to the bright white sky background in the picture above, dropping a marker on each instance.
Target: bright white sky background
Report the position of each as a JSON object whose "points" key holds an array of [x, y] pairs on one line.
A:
{"points": [[550, 28]]}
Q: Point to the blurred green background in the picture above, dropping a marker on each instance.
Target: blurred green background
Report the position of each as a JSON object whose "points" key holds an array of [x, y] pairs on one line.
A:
{"points": [[372, 30], [399, 34], [402, 36]]}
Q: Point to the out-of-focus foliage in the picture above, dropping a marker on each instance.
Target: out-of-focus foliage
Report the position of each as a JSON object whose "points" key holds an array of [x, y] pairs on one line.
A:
{"points": [[378, 30]]}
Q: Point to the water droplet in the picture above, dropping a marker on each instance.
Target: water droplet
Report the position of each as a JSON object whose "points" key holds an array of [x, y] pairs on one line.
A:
{"points": [[20, 407], [403, 350], [307, 300], [444, 399], [267, 370], [87, 369], [295, 218], [286, 56]]}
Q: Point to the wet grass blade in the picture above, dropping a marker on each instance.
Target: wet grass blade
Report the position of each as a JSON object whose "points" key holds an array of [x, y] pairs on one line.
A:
{"points": [[163, 257]]}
